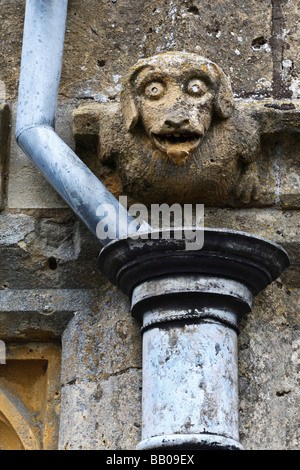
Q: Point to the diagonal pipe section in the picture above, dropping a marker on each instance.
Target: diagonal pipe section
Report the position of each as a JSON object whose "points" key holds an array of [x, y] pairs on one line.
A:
{"points": [[42, 53]]}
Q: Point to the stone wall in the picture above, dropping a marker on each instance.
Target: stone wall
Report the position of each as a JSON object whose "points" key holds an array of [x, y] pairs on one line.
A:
{"points": [[55, 303]]}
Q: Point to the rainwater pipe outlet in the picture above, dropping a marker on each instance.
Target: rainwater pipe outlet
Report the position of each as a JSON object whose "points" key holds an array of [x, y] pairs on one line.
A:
{"points": [[190, 302]]}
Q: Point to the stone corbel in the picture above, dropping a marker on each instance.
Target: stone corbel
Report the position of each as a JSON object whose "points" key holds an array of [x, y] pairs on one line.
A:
{"points": [[179, 136]]}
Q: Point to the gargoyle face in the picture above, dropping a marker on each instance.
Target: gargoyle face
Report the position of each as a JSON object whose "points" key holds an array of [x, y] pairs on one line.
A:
{"points": [[174, 95], [175, 109]]}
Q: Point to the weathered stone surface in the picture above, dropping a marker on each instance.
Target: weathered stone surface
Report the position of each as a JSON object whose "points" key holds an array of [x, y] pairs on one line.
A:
{"points": [[27, 187], [102, 362], [61, 251], [285, 37], [288, 172], [124, 33], [269, 353], [55, 251], [29, 314], [12, 17], [99, 47], [281, 227], [4, 130]]}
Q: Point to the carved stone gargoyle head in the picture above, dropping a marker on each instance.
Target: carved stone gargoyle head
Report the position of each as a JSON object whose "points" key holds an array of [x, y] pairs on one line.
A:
{"points": [[180, 137], [175, 96]]}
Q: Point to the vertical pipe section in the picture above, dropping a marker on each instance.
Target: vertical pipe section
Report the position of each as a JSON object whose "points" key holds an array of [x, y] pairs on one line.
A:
{"points": [[190, 361], [195, 365], [42, 53]]}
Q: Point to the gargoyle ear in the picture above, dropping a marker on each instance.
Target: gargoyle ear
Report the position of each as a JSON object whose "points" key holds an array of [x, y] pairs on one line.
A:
{"points": [[224, 96], [129, 109]]}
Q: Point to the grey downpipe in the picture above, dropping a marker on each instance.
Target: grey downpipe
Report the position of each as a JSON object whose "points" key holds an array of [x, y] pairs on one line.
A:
{"points": [[42, 53]]}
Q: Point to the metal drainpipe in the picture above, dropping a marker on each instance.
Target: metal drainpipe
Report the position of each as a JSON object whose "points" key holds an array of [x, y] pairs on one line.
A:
{"points": [[42, 54], [190, 303]]}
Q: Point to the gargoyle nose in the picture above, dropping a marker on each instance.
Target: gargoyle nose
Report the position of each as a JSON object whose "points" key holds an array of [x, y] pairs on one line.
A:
{"points": [[177, 123]]}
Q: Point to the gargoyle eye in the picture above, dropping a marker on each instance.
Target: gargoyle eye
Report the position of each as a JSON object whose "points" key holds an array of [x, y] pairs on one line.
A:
{"points": [[154, 90], [196, 87]]}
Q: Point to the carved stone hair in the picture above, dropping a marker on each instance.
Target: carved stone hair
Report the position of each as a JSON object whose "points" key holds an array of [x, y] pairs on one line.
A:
{"points": [[223, 100]]}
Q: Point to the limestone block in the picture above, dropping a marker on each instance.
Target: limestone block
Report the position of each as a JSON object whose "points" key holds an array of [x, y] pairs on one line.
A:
{"points": [[106, 45], [269, 355], [43, 251], [281, 227], [99, 47], [42, 314], [251, 40], [286, 34], [287, 171], [27, 187], [11, 19], [102, 367]]}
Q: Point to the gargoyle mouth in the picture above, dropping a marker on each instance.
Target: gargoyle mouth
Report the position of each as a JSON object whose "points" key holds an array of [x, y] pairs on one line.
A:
{"points": [[177, 145]]}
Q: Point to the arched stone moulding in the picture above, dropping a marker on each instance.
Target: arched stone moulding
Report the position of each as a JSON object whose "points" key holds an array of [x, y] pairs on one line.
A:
{"points": [[18, 421], [30, 396]]}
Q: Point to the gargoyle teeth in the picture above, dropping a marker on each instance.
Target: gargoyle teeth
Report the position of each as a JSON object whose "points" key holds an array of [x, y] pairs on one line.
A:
{"points": [[177, 138], [177, 145]]}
